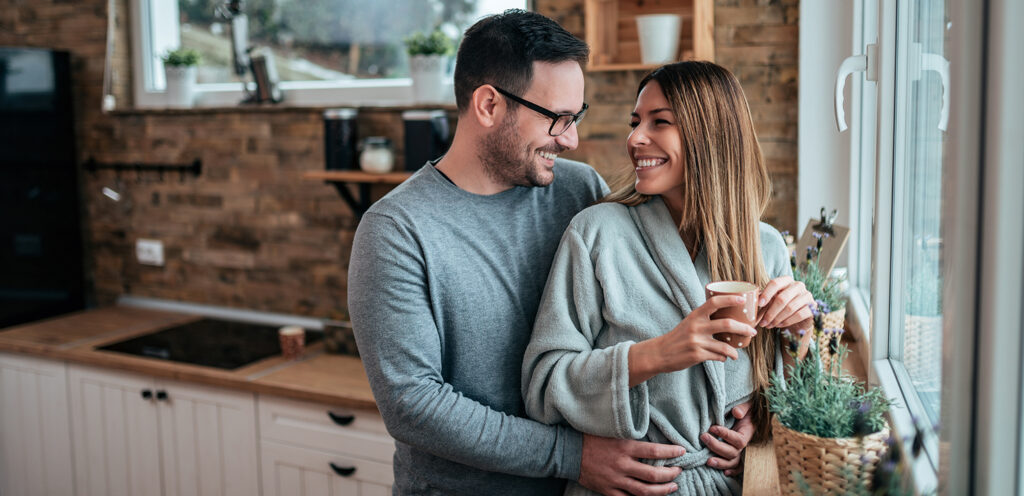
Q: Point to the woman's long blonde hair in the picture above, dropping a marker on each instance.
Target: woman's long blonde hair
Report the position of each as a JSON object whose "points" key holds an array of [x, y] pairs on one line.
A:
{"points": [[726, 188]]}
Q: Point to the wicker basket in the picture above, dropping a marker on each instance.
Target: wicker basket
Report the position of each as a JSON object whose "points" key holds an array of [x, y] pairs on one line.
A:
{"points": [[831, 320], [827, 465]]}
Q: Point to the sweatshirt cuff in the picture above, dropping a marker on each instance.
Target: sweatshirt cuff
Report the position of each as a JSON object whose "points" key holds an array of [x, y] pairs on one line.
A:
{"points": [[572, 453], [629, 405]]}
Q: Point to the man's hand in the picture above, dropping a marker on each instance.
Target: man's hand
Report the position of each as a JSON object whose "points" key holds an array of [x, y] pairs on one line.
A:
{"points": [[730, 448], [611, 467]]}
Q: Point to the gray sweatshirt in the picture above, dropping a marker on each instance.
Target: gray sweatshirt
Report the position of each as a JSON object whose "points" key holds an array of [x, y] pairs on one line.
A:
{"points": [[444, 286]]}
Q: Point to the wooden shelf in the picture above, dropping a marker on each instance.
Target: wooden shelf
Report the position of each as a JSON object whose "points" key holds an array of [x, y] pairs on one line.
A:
{"points": [[631, 66], [354, 176], [363, 180], [611, 31]]}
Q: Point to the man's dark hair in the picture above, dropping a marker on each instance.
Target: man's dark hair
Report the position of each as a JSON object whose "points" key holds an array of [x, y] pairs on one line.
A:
{"points": [[501, 49]]}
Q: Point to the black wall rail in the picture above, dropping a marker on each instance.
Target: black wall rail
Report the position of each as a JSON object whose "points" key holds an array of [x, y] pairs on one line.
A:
{"points": [[195, 168]]}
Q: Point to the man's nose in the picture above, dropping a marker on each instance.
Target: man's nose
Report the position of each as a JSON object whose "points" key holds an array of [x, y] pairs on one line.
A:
{"points": [[570, 139]]}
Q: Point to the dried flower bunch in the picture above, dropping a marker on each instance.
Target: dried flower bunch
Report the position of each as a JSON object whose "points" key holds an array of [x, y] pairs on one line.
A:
{"points": [[824, 401]]}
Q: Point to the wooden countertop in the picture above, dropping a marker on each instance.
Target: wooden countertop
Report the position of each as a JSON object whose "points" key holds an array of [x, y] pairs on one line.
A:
{"points": [[336, 380]]}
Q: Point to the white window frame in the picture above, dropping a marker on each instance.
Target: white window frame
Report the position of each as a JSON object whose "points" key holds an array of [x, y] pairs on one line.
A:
{"points": [[394, 92], [978, 449]]}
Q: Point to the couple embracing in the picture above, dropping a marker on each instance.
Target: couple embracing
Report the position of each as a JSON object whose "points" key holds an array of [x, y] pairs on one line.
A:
{"points": [[526, 331]]}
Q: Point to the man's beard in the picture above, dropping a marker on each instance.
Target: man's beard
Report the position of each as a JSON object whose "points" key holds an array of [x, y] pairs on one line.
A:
{"points": [[507, 160]]}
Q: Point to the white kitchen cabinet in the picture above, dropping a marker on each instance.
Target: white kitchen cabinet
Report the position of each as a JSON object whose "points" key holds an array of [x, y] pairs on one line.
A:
{"points": [[312, 449], [35, 438], [136, 435]]}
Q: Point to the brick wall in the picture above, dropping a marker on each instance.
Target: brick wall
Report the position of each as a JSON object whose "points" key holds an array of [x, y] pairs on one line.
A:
{"points": [[755, 39], [249, 232]]}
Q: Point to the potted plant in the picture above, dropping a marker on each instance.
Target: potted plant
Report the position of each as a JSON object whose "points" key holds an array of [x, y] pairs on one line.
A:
{"points": [[428, 64], [828, 296], [180, 72], [828, 429]]}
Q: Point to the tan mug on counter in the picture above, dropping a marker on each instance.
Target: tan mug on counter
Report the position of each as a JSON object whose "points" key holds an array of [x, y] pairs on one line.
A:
{"points": [[745, 312], [293, 341]]}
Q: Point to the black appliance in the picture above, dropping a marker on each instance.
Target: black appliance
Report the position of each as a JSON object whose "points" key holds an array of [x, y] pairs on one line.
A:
{"points": [[427, 136], [41, 266], [217, 343]]}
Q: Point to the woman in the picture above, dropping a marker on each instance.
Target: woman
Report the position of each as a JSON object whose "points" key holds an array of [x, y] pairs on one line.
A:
{"points": [[623, 344]]}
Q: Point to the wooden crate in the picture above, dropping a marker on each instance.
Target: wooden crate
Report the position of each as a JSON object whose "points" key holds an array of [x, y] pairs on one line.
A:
{"points": [[612, 35]]}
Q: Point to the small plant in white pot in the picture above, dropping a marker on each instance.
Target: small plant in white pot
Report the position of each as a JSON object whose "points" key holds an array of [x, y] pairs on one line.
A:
{"points": [[428, 64], [180, 72]]}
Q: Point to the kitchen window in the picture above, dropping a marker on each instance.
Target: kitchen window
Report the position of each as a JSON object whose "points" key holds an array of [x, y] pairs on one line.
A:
{"points": [[326, 52], [936, 257]]}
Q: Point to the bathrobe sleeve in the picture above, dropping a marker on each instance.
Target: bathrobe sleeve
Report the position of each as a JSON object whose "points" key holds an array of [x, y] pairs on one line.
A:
{"points": [[567, 380], [776, 260]]}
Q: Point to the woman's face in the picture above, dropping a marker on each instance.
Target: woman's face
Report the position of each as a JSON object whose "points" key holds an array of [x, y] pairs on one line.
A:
{"points": [[655, 145]]}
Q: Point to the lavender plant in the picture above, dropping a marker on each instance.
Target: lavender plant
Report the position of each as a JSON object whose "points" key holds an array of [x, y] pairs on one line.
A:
{"points": [[824, 401], [822, 286]]}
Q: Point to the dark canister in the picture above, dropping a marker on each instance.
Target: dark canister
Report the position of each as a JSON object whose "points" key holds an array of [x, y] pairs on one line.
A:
{"points": [[426, 136], [340, 139]]}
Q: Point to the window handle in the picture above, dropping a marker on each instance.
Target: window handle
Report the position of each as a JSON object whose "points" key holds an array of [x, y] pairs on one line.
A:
{"points": [[867, 63], [939, 64]]}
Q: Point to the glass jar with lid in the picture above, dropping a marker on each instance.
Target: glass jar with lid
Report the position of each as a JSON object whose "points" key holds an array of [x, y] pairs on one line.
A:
{"points": [[377, 156]]}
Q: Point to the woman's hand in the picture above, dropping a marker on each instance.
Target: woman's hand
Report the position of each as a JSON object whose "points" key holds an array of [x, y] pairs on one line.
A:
{"points": [[785, 303], [692, 341]]}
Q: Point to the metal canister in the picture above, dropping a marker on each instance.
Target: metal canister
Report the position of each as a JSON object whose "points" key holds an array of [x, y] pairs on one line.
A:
{"points": [[340, 139]]}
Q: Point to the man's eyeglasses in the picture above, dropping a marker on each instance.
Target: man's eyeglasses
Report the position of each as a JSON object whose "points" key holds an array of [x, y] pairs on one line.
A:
{"points": [[560, 122]]}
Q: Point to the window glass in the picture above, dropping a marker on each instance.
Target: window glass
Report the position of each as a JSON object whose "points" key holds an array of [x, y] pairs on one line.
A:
{"points": [[919, 159], [322, 40]]}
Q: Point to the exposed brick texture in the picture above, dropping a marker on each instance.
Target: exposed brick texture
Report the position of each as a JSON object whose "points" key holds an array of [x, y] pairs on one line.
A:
{"points": [[249, 232]]}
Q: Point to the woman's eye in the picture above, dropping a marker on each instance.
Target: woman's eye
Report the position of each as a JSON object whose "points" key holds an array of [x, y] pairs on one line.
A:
{"points": [[661, 121], [634, 124]]}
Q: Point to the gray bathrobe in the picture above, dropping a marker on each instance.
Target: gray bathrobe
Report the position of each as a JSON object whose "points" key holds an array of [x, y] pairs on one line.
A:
{"points": [[622, 275]]}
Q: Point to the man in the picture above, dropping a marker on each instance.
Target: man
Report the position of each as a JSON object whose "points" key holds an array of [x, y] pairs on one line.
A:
{"points": [[448, 269]]}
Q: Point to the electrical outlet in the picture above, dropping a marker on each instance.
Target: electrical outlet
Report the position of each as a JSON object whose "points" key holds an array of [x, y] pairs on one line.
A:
{"points": [[150, 252]]}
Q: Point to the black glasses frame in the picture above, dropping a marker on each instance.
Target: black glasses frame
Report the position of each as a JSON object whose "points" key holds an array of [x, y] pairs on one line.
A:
{"points": [[554, 116]]}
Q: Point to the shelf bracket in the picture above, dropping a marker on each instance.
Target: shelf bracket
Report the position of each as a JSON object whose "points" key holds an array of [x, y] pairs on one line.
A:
{"points": [[359, 206]]}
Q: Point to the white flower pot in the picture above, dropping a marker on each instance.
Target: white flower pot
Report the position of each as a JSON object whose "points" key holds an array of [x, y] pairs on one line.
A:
{"points": [[659, 37], [428, 74], [181, 85]]}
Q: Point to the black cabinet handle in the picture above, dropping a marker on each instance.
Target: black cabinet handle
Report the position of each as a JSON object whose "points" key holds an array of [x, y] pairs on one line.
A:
{"points": [[161, 395], [342, 471], [342, 420], [147, 394]]}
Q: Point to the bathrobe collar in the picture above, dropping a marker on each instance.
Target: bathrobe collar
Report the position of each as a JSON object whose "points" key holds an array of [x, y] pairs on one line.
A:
{"points": [[686, 278]]}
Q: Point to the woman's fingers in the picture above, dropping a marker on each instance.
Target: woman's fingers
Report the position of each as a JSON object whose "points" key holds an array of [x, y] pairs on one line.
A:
{"points": [[715, 303], [773, 287], [777, 306], [800, 320]]}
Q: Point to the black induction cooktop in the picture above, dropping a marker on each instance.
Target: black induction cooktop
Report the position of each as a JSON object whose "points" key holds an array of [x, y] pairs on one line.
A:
{"points": [[217, 343]]}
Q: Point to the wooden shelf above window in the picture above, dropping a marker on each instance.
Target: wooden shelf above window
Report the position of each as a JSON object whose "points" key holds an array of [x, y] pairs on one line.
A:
{"points": [[363, 180], [612, 34]]}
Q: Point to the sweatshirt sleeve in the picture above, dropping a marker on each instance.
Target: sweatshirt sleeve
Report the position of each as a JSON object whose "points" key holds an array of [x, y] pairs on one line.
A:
{"points": [[400, 348], [565, 379]]}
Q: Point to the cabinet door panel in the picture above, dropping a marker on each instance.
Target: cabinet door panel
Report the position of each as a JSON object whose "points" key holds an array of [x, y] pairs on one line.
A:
{"points": [[310, 424], [116, 440], [35, 437], [294, 471], [209, 438]]}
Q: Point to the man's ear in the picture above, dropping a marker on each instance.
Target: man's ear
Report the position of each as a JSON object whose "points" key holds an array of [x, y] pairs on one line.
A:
{"points": [[487, 106]]}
